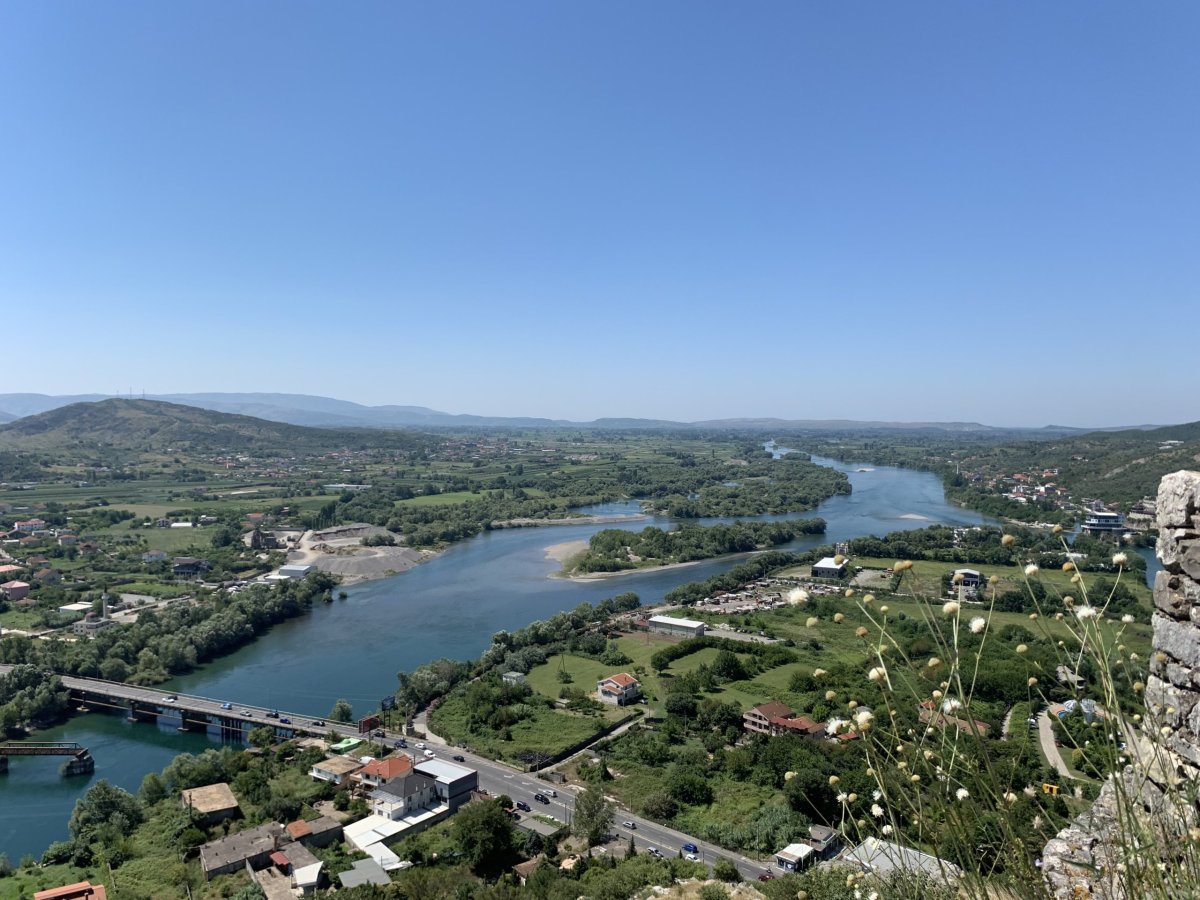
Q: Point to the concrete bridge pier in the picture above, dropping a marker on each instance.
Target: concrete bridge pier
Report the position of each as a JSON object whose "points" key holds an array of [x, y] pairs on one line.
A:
{"points": [[139, 713]]}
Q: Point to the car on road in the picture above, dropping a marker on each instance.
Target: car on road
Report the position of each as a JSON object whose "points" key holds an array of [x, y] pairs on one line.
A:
{"points": [[766, 876], [654, 851], [226, 705], [318, 723], [246, 712], [458, 757], [420, 746], [273, 714], [552, 793], [428, 754], [169, 698], [399, 745], [379, 732], [692, 856], [690, 848], [541, 798], [632, 826], [284, 720], [522, 805]]}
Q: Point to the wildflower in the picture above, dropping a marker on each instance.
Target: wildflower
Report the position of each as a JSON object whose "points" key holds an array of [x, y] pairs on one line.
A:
{"points": [[1010, 797], [1031, 570], [950, 608], [877, 794], [1127, 618], [833, 726], [839, 617], [1037, 823], [1068, 566], [1057, 529], [886, 829], [1086, 612], [863, 718], [958, 578], [1008, 540], [914, 778], [993, 580], [937, 695], [1133, 657], [841, 797], [797, 595], [902, 566], [817, 673], [1120, 559], [853, 798], [978, 624], [833, 779], [860, 631], [933, 663], [839, 559], [1029, 790], [849, 592], [962, 793], [869, 598], [812, 622], [951, 704], [876, 674], [928, 755], [1032, 682], [883, 609], [1138, 687], [852, 704], [831, 695], [1033, 617], [1022, 648], [1076, 578]]}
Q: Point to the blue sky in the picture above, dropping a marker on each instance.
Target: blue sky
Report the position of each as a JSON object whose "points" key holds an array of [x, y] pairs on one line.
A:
{"points": [[908, 211]]}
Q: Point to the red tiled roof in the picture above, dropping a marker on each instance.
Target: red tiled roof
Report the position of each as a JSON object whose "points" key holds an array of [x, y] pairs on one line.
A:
{"points": [[298, 829], [775, 708], [387, 769], [279, 859], [623, 679]]}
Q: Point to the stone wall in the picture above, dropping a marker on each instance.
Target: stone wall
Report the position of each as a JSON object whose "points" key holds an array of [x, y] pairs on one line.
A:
{"points": [[1083, 859]]}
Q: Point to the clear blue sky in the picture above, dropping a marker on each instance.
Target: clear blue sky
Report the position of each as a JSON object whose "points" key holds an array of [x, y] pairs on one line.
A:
{"points": [[909, 211]]}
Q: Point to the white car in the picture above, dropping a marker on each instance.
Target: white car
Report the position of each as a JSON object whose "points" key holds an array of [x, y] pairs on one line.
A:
{"points": [[419, 745], [428, 754]]}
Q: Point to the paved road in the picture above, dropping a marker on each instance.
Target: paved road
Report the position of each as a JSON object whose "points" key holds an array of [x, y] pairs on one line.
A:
{"points": [[1046, 736]]}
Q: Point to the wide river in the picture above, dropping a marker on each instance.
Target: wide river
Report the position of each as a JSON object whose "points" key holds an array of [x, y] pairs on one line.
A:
{"points": [[449, 607]]}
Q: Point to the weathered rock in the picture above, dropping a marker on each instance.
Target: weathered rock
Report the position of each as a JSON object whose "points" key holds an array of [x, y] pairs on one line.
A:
{"points": [[1179, 500]]}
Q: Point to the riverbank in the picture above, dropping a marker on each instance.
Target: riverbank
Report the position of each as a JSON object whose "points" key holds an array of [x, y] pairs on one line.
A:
{"points": [[577, 520], [340, 551], [605, 576]]}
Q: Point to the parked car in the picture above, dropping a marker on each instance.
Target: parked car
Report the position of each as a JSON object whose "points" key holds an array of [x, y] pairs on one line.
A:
{"points": [[690, 848], [632, 826], [458, 757]]}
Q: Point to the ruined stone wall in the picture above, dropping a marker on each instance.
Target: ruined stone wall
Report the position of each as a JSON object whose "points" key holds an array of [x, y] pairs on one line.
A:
{"points": [[1082, 860]]}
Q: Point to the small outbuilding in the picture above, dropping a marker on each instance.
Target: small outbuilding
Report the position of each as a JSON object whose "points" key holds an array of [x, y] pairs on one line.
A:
{"points": [[211, 803]]}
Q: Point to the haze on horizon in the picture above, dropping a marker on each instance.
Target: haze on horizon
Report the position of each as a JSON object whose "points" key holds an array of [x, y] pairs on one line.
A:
{"points": [[683, 211]]}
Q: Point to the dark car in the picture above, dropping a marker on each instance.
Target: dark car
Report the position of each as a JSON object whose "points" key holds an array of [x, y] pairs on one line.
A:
{"points": [[459, 758], [766, 876], [541, 798], [284, 720], [317, 723], [379, 732], [273, 714], [691, 848], [400, 745], [522, 805]]}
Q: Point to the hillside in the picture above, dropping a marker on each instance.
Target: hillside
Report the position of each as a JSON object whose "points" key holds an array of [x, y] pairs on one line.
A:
{"points": [[156, 425]]}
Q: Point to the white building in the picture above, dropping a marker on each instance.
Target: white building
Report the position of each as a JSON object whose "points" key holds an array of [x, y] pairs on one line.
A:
{"points": [[679, 627]]}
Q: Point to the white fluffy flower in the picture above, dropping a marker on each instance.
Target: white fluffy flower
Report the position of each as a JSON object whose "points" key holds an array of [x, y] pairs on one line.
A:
{"points": [[1120, 559], [877, 810], [962, 793], [876, 674], [886, 829], [833, 726], [950, 704], [950, 608], [978, 624], [1031, 570], [863, 718], [797, 595], [1127, 618], [1085, 612], [841, 798]]}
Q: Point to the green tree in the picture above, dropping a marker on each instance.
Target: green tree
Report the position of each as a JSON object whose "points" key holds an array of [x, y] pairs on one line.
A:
{"points": [[263, 736], [484, 834], [593, 815], [342, 712], [104, 805], [152, 790], [724, 870]]}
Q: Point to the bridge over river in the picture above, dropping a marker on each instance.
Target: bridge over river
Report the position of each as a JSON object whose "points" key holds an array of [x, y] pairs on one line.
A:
{"points": [[224, 718]]}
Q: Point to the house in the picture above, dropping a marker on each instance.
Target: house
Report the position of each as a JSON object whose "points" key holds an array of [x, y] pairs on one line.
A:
{"points": [[513, 678], [211, 803], [28, 526], [874, 856], [47, 576], [403, 796], [1101, 522], [365, 871], [758, 719], [189, 565], [930, 714], [794, 857], [335, 769], [15, 590], [776, 718], [452, 783], [67, 540], [307, 879], [679, 627], [252, 847], [381, 771], [153, 556], [824, 840], [525, 869], [91, 625], [319, 832], [1068, 677], [7, 571], [968, 579], [619, 690], [829, 567], [80, 890]]}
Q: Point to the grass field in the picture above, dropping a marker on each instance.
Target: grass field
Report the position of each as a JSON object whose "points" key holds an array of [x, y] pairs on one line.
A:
{"points": [[447, 499]]}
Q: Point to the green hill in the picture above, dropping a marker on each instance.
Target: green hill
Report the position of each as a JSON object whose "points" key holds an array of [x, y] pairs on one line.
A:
{"points": [[148, 425]]}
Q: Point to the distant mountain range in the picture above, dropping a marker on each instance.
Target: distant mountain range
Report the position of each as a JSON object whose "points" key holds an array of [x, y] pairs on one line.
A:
{"points": [[154, 425], [325, 412]]}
